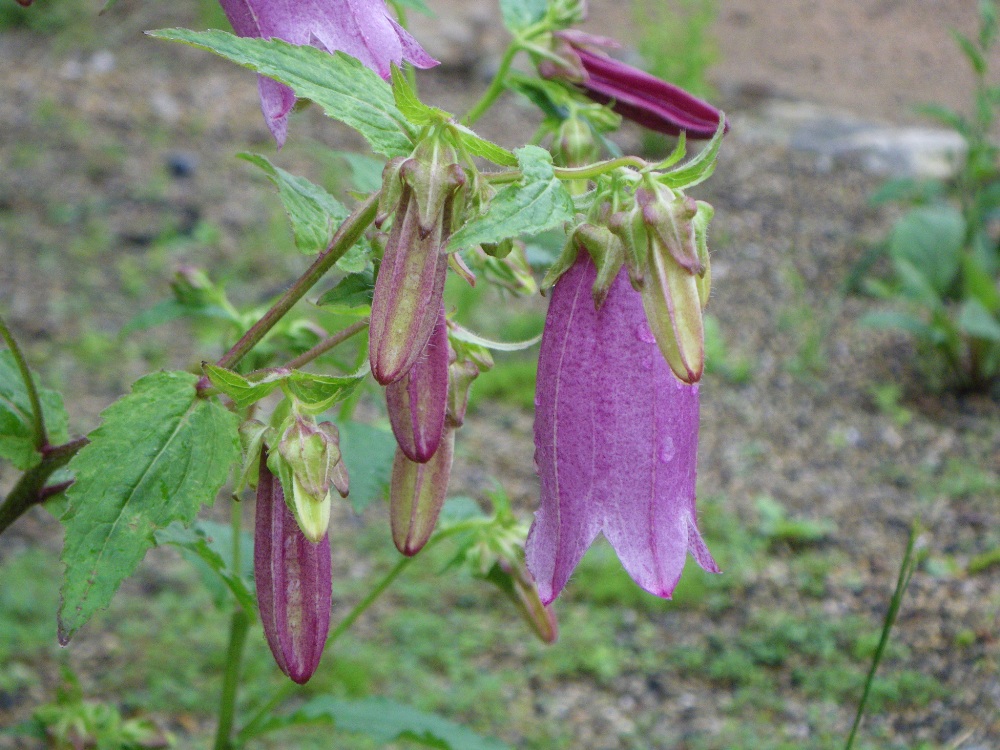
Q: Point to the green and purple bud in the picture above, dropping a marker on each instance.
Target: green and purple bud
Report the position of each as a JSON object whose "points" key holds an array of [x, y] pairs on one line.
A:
{"points": [[417, 402], [632, 93], [416, 494], [514, 580], [410, 284], [294, 583]]}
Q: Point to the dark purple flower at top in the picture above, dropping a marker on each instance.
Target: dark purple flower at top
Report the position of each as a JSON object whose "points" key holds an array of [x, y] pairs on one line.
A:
{"points": [[616, 441], [632, 93], [361, 28]]}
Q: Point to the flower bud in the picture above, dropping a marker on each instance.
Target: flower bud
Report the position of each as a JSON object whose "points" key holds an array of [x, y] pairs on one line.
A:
{"points": [[574, 144], [416, 494], [514, 580], [293, 577], [418, 400]]}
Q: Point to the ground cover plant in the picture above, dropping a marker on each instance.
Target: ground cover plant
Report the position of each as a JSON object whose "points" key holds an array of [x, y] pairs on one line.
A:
{"points": [[612, 633]]}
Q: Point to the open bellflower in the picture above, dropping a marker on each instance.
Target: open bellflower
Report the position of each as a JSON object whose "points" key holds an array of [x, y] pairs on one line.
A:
{"points": [[616, 441], [634, 94], [361, 28]]}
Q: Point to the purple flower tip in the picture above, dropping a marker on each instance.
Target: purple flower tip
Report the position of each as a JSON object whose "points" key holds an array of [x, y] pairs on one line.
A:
{"points": [[635, 94], [616, 441], [361, 28]]}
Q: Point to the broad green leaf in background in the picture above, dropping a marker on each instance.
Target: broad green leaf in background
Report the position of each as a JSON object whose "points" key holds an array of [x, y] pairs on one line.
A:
{"points": [[211, 544], [890, 319], [160, 453], [385, 721], [976, 320], [351, 295], [536, 203], [17, 439], [313, 212], [930, 239], [340, 84], [368, 453], [519, 14], [366, 171]]}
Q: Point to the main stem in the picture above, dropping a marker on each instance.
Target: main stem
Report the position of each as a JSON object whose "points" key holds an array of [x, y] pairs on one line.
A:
{"points": [[30, 488], [37, 418], [349, 233]]}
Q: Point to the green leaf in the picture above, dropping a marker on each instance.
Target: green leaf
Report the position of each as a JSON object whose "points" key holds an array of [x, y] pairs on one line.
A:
{"points": [[519, 14], [368, 453], [483, 148], [212, 544], [313, 212], [979, 284], [317, 393], [700, 168], [366, 171], [409, 103], [944, 115], [536, 203], [930, 238], [386, 721], [976, 321], [159, 455], [17, 433], [340, 84], [352, 294], [890, 319], [418, 5], [971, 52], [242, 391]]}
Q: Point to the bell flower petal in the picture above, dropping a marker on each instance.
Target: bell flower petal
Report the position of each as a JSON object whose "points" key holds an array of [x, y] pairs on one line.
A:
{"points": [[616, 437], [362, 28]]}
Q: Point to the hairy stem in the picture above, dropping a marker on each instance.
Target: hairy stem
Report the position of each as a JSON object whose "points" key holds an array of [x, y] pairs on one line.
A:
{"points": [[30, 489], [348, 233], [327, 344], [37, 418]]}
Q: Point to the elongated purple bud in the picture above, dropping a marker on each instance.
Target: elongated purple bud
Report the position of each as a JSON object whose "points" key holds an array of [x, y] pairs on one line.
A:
{"points": [[416, 495], [417, 401], [408, 293], [294, 586]]}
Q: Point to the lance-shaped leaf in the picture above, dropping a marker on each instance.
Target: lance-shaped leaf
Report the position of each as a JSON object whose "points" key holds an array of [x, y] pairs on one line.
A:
{"points": [[418, 400], [159, 455], [615, 442], [294, 584], [417, 494], [17, 436]]}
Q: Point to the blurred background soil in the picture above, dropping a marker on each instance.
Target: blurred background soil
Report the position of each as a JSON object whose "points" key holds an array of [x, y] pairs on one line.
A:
{"points": [[820, 441]]}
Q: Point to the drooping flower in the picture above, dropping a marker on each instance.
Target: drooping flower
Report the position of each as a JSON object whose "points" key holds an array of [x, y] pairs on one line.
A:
{"points": [[294, 583], [632, 93], [616, 439], [361, 28]]}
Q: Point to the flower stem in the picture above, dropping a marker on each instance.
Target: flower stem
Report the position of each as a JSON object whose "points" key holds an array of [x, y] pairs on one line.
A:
{"points": [[496, 87], [327, 344], [30, 489], [239, 626], [348, 233], [37, 418]]}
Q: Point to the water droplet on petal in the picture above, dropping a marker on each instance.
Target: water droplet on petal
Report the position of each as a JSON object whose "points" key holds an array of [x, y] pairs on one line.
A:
{"points": [[643, 334], [666, 451]]}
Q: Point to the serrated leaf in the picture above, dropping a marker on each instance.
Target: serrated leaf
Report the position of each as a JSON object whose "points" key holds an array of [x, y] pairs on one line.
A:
{"points": [[368, 453], [464, 334], [409, 103], [242, 391], [212, 544], [350, 293], [17, 436], [313, 212], [519, 14], [317, 393], [344, 88], [160, 454], [386, 721], [534, 204]]}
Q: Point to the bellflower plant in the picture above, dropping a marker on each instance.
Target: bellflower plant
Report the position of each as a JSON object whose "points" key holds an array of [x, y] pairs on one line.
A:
{"points": [[361, 28], [616, 441]]}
